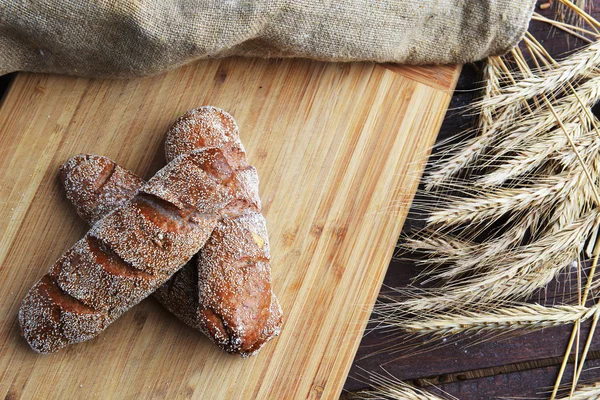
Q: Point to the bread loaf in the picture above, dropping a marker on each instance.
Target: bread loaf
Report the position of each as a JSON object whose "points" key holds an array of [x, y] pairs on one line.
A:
{"points": [[236, 306], [131, 251]]}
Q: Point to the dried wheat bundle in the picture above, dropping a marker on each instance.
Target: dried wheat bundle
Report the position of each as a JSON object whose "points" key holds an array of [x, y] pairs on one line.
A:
{"points": [[533, 178], [510, 208]]}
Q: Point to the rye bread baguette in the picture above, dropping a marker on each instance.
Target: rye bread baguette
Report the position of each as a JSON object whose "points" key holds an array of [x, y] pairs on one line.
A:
{"points": [[236, 306], [133, 250], [95, 184]]}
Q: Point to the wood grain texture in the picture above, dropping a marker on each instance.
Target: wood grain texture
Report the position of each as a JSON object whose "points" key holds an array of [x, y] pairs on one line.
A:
{"points": [[339, 149]]}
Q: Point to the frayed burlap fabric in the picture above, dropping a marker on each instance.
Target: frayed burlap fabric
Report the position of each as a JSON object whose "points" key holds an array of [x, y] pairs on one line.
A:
{"points": [[142, 37]]}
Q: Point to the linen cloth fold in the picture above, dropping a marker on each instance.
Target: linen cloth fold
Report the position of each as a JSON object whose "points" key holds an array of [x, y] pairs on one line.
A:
{"points": [[121, 38]]}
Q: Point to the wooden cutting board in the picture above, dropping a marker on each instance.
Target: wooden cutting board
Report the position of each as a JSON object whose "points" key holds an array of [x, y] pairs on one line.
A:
{"points": [[339, 149]]}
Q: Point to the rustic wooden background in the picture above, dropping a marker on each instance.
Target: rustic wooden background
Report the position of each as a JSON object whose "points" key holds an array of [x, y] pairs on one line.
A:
{"points": [[523, 366]]}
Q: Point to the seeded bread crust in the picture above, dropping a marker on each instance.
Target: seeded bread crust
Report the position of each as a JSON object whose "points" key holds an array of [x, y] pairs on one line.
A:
{"points": [[224, 292], [236, 307], [166, 223]]}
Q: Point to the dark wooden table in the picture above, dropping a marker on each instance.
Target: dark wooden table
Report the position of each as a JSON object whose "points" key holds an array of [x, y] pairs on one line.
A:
{"points": [[523, 366]]}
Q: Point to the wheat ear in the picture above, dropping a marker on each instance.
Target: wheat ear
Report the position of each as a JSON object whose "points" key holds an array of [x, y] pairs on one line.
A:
{"points": [[388, 387], [577, 66], [524, 316]]}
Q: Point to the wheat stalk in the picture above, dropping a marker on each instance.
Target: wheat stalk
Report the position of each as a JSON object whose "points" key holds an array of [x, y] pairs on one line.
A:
{"points": [[469, 151], [591, 392], [492, 89], [493, 204], [473, 257], [512, 131], [548, 191], [577, 66], [568, 109], [533, 154], [575, 14], [524, 316], [519, 273], [566, 28], [445, 249], [387, 387]]}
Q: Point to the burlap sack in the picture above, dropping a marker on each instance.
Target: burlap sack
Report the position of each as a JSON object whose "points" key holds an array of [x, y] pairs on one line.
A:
{"points": [[141, 37]]}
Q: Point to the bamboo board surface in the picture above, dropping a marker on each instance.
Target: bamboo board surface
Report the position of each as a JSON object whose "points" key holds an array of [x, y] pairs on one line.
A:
{"points": [[339, 149]]}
